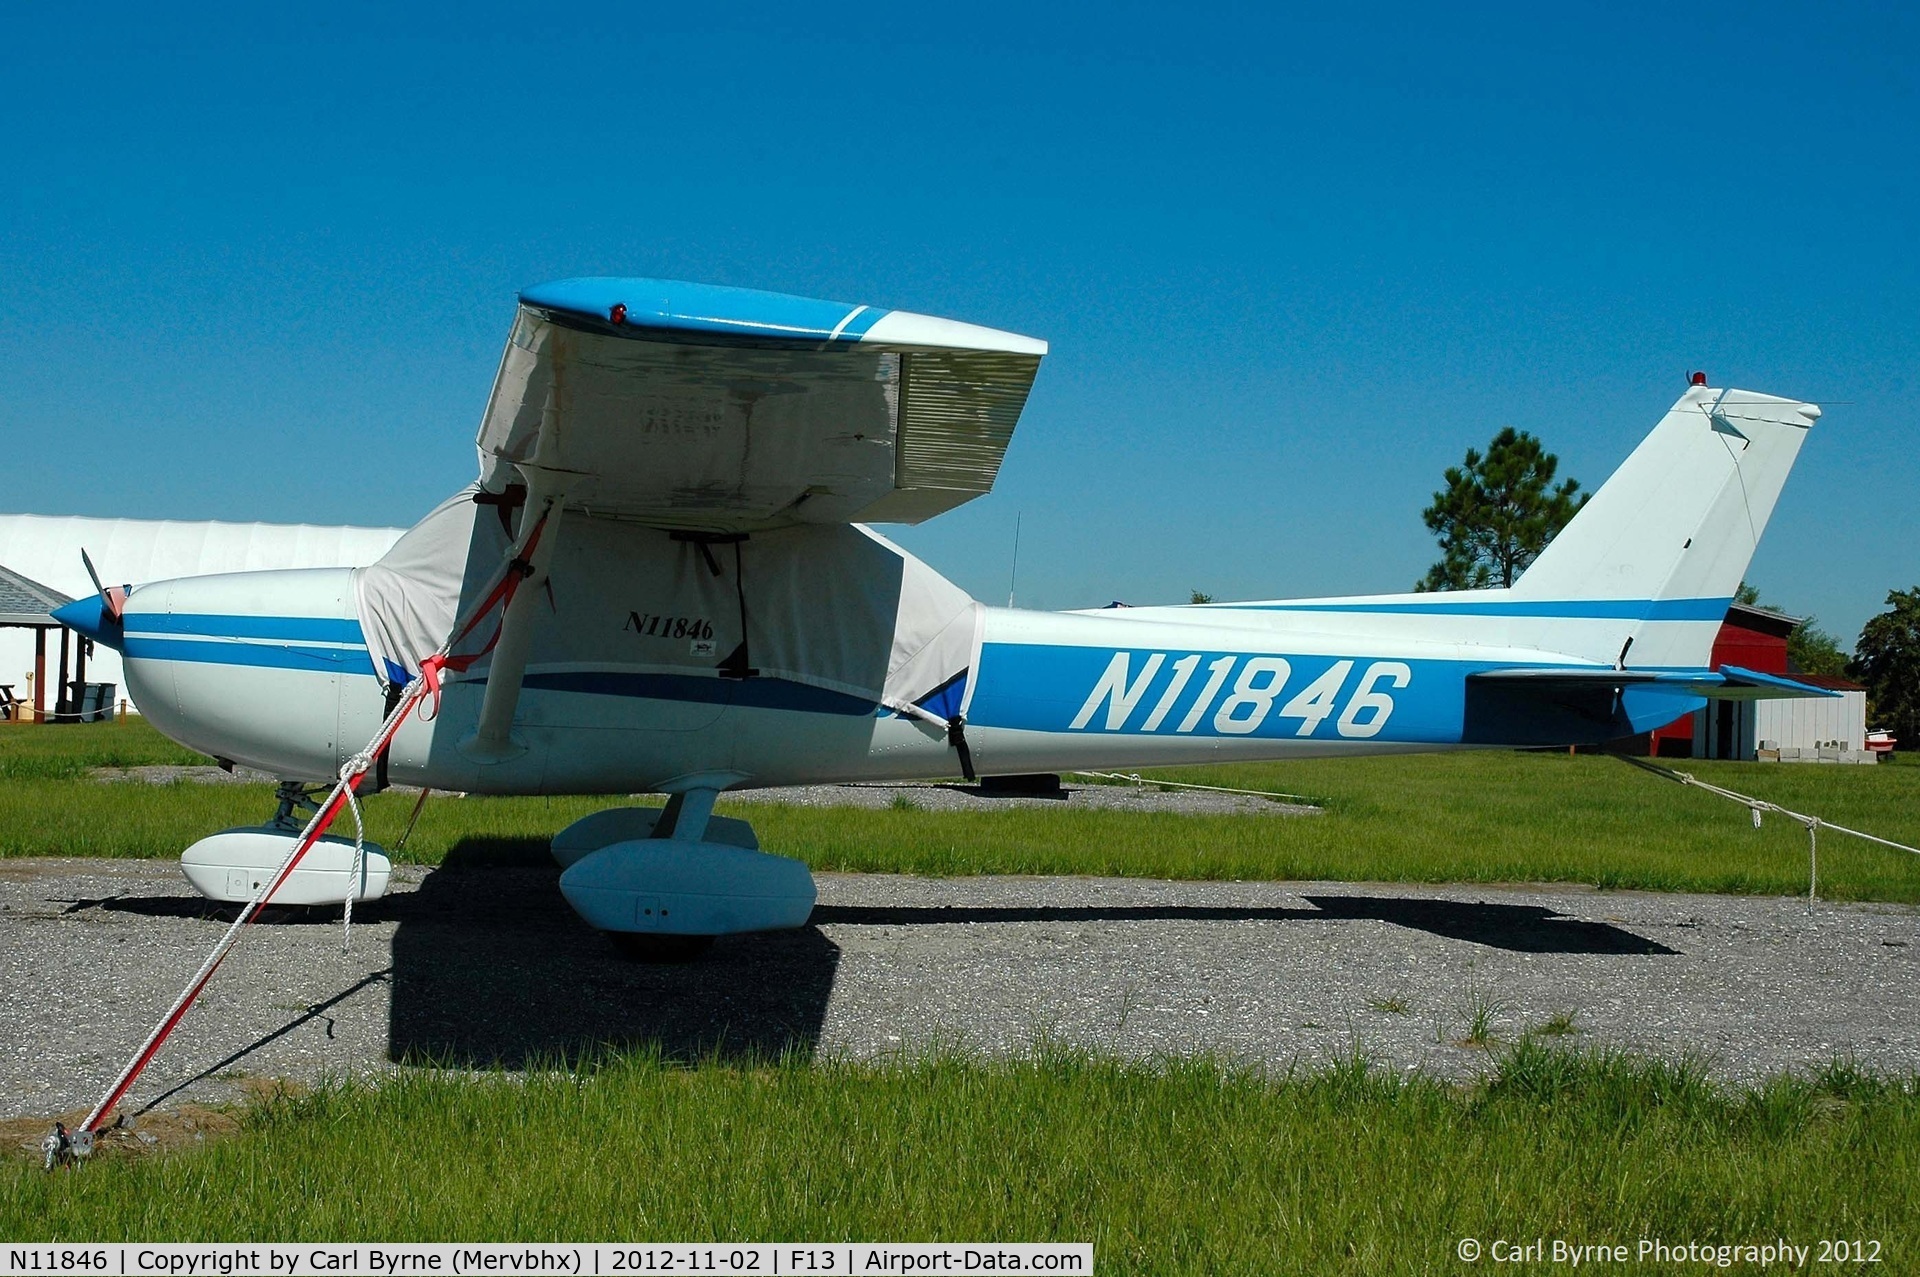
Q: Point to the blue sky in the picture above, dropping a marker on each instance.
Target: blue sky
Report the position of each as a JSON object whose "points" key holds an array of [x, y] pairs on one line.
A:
{"points": [[260, 266]]}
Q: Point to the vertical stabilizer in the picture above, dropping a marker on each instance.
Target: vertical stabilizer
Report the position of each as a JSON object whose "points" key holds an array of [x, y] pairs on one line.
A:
{"points": [[1677, 524]]}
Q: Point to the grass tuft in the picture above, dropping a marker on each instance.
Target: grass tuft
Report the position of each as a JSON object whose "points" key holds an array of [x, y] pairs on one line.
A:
{"points": [[1558, 1025], [1481, 1010]]}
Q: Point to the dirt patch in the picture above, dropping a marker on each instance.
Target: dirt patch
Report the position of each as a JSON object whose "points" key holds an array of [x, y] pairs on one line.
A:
{"points": [[162, 1131]]}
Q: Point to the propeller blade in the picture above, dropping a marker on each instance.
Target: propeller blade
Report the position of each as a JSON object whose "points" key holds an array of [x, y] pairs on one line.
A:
{"points": [[115, 599], [88, 560]]}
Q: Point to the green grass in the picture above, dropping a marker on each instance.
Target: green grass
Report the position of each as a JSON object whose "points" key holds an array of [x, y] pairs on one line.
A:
{"points": [[69, 751], [1182, 1167], [1462, 817], [1559, 1025]]}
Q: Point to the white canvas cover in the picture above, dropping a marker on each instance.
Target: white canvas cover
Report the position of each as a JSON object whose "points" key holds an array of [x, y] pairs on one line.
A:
{"points": [[833, 607], [685, 434], [410, 597]]}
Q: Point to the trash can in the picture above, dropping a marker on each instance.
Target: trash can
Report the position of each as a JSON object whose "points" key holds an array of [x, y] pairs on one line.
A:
{"points": [[96, 702]]}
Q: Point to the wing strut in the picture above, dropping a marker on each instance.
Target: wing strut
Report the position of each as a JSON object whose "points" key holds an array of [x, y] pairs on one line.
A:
{"points": [[492, 740]]}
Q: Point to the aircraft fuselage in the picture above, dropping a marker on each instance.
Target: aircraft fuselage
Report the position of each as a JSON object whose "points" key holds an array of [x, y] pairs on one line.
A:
{"points": [[271, 671]]}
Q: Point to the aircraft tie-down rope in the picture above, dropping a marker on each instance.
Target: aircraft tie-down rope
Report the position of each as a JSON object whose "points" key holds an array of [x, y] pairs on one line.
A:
{"points": [[1814, 824], [424, 685]]}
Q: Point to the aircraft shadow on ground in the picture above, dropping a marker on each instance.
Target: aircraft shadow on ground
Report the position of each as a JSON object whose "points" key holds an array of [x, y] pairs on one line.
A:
{"points": [[1520, 928], [492, 969]]}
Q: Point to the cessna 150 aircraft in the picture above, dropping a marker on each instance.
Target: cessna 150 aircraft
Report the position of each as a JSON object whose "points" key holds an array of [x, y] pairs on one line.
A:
{"points": [[678, 476]]}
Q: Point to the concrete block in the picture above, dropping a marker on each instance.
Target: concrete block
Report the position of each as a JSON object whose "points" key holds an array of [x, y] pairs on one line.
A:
{"points": [[1829, 754], [1767, 755]]}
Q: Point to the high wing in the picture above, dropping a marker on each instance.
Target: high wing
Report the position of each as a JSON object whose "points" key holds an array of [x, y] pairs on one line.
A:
{"points": [[727, 410]]}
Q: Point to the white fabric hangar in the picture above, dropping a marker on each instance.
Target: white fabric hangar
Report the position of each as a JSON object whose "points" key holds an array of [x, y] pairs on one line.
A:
{"points": [[132, 551]]}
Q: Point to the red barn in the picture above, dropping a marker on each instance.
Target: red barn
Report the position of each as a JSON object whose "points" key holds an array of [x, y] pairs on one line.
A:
{"points": [[1755, 638]]}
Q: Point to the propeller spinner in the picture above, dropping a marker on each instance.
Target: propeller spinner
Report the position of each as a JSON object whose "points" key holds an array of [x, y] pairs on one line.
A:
{"points": [[98, 617]]}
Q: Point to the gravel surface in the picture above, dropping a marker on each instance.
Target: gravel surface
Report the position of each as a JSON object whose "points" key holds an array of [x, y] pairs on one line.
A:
{"points": [[925, 796], [929, 796], [476, 964], [177, 773]]}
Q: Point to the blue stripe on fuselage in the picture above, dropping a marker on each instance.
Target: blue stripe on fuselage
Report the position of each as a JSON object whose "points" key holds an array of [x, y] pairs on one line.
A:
{"points": [[286, 656], [1547, 609], [311, 629], [1046, 688], [752, 693], [199, 641]]}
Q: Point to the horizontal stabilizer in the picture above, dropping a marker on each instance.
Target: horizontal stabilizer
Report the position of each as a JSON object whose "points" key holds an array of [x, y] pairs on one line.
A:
{"points": [[1729, 683]]}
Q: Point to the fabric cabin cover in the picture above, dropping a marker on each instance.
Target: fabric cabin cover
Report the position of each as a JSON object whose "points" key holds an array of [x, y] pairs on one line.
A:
{"points": [[832, 607]]}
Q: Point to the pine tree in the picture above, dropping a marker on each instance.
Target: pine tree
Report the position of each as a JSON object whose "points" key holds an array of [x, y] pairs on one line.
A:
{"points": [[1497, 513]]}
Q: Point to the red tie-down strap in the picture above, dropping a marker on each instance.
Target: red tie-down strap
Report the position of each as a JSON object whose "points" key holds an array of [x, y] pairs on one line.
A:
{"points": [[518, 569]]}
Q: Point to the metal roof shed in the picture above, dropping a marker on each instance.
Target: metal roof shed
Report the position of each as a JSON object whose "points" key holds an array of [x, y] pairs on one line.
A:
{"points": [[27, 604]]}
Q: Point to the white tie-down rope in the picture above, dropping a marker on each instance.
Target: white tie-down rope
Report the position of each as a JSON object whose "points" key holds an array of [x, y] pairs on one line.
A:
{"points": [[1814, 824], [349, 772], [1138, 779]]}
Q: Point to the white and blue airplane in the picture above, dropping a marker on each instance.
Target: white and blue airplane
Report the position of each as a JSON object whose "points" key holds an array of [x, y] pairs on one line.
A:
{"points": [[681, 476]]}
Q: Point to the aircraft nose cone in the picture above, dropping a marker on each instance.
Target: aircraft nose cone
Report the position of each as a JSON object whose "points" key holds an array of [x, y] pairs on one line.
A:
{"points": [[89, 616]]}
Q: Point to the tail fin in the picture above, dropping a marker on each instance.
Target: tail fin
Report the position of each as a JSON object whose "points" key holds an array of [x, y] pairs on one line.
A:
{"points": [[1676, 525]]}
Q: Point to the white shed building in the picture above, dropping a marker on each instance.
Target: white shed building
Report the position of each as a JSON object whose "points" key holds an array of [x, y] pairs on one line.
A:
{"points": [[1830, 729]]}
